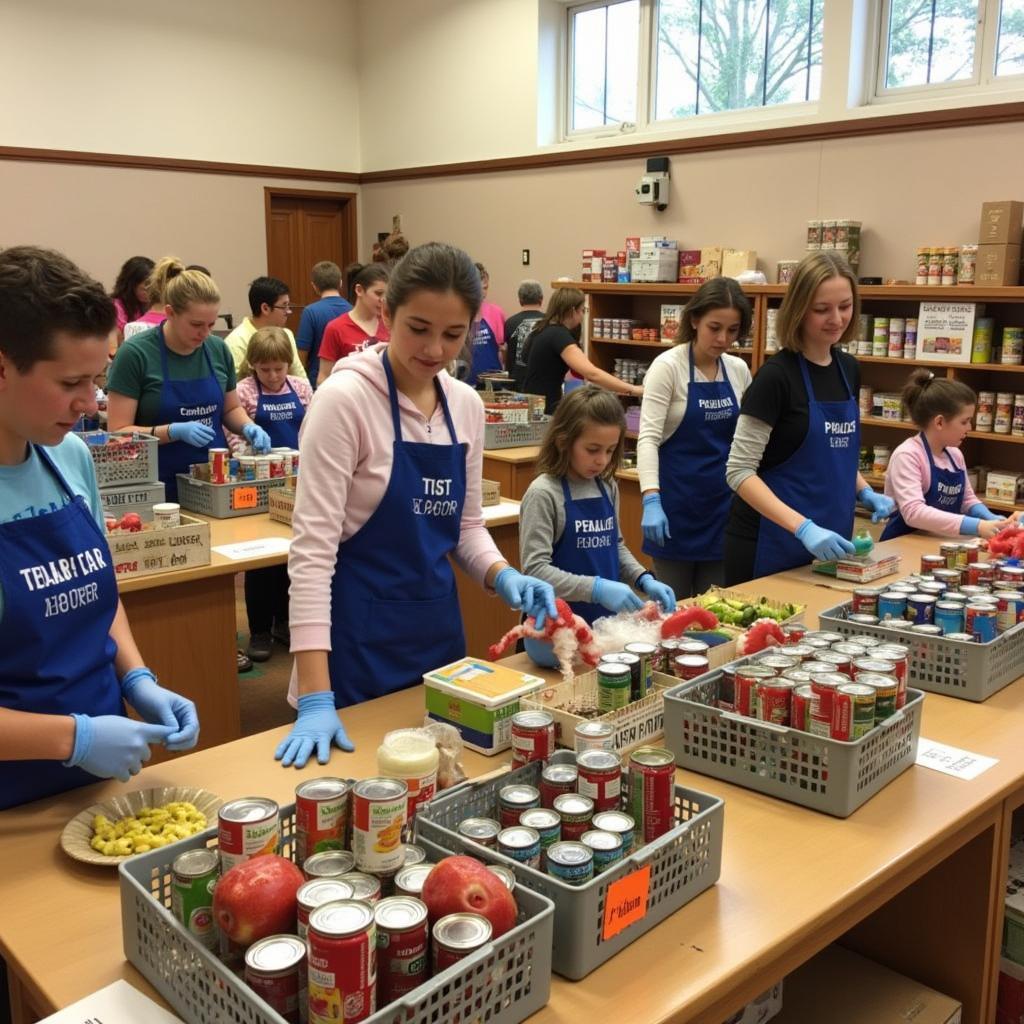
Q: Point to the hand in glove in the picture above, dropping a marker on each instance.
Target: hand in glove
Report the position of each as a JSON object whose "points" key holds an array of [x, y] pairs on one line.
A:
{"points": [[257, 437], [197, 434], [823, 544], [616, 597], [533, 596], [112, 746], [881, 506], [317, 726], [163, 707], [654, 522], [658, 591]]}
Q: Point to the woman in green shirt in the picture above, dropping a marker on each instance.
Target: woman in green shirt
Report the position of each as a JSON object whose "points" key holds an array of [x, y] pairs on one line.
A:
{"points": [[177, 382]]}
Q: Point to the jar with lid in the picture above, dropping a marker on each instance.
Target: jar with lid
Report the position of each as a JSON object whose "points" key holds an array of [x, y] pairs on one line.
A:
{"points": [[410, 755]]}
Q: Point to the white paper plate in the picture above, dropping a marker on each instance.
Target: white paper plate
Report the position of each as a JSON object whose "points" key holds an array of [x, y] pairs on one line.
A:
{"points": [[77, 834]]}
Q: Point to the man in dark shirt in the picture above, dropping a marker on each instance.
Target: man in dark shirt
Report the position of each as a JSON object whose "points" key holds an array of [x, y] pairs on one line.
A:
{"points": [[518, 327]]}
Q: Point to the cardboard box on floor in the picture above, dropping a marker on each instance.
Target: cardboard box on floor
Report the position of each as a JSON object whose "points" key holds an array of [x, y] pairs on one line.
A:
{"points": [[840, 987]]}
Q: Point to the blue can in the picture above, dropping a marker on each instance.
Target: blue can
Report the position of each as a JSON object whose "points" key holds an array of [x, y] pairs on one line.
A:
{"points": [[892, 605], [546, 823], [981, 621], [949, 616], [233, 469], [607, 847], [572, 863], [921, 609], [521, 844]]}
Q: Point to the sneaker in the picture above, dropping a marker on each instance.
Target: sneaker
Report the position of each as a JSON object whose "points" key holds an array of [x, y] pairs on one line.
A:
{"points": [[283, 635], [260, 646], [244, 662]]}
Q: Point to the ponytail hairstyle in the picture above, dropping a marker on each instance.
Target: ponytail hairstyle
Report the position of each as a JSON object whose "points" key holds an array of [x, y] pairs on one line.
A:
{"points": [[718, 293], [582, 406], [134, 271], [435, 267], [165, 271], [926, 396], [191, 287], [365, 275]]}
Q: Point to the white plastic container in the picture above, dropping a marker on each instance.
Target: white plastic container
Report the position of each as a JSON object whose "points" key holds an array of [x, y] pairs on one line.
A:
{"points": [[166, 514], [410, 755]]}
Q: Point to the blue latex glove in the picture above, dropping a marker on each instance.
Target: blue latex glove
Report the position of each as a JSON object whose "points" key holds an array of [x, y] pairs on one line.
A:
{"points": [[112, 746], [616, 597], [823, 544], [317, 726], [980, 511], [258, 438], [881, 506], [164, 707], [657, 591], [533, 596], [197, 434], [654, 522]]}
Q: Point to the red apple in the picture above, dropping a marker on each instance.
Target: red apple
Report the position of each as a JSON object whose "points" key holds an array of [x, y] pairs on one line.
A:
{"points": [[131, 521], [257, 898], [463, 885]]}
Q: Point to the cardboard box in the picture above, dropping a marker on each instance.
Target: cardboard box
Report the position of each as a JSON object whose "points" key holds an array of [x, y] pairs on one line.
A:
{"points": [[671, 323], [1001, 486], [151, 550], [841, 987], [654, 268], [997, 265], [281, 504], [1001, 222], [765, 1007], [707, 265], [737, 261]]}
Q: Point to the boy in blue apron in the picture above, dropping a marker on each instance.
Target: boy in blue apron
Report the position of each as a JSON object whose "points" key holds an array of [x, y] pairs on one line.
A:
{"points": [[68, 662]]}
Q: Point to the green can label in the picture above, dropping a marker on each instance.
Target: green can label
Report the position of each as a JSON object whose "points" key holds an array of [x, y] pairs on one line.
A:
{"points": [[192, 905], [613, 687]]}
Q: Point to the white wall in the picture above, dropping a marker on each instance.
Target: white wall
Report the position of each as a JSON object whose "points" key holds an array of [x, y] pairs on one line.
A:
{"points": [[244, 81]]}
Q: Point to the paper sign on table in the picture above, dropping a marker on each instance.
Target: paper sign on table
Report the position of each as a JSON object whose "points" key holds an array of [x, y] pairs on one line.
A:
{"points": [[119, 1003], [245, 497], [961, 764], [626, 901], [255, 548]]}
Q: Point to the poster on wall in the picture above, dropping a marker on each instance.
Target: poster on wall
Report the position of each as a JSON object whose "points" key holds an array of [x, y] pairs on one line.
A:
{"points": [[944, 331]]}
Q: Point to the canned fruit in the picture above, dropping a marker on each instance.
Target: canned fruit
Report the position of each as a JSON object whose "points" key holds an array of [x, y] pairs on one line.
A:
{"points": [[342, 962], [315, 894], [257, 898], [194, 876], [321, 816], [250, 827], [462, 885], [379, 814]]}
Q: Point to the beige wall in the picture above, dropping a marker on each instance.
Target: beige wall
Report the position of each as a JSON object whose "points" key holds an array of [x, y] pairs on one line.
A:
{"points": [[244, 81], [100, 216], [920, 188]]}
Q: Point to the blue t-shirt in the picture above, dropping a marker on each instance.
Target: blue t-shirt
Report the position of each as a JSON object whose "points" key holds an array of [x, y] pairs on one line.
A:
{"points": [[30, 489], [315, 317]]}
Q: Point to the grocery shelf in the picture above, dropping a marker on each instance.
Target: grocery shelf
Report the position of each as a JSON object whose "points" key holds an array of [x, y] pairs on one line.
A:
{"points": [[629, 342], [896, 292], [877, 480], [877, 421], [943, 364]]}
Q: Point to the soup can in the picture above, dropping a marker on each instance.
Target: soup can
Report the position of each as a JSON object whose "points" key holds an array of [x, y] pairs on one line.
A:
{"points": [[853, 711], [865, 601], [380, 808], [455, 937], [364, 887], [600, 778], [342, 958], [533, 737], [606, 847], [328, 864], [571, 862], [748, 678], [652, 772], [409, 880], [513, 800], [520, 843], [593, 735], [929, 563], [980, 574], [824, 685], [275, 969], [315, 894], [321, 816], [402, 935], [557, 779], [801, 706], [248, 827], [774, 697], [576, 812], [481, 830]]}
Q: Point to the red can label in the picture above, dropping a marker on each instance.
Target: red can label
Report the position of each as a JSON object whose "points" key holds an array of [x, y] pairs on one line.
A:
{"points": [[321, 822], [532, 741], [445, 957], [555, 782], [282, 991], [342, 977], [745, 695], [651, 790], [602, 785], [773, 701], [802, 708], [865, 602], [401, 961]]}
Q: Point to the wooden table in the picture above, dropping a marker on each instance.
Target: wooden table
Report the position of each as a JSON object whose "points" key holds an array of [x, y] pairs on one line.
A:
{"points": [[513, 468], [914, 878]]}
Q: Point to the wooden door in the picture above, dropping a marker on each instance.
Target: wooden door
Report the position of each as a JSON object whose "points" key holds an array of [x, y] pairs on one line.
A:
{"points": [[303, 228]]}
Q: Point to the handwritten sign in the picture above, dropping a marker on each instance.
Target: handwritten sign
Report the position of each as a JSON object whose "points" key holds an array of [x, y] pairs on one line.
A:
{"points": [[626, 902], [961, 764], [245, 497]]}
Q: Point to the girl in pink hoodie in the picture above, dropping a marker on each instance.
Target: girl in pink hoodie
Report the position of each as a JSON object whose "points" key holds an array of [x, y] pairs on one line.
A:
{"points": [[391, 456]]}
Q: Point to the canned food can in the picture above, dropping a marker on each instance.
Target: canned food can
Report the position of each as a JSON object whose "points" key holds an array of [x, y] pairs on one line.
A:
{"points": [[600, 778], [402, 934], [380, 808], [800, 676], [689, 666], [592, 736], [546, 823], [892, 605], [793, 632], [614, 683], [727, 688], [778, 663], [853, 711], [409, 881], [533, 737], [800, 651], [980, 620], [961, 638], [276, 467], [967, 554], [328, 864], [840, 662], [921, 609], [481, 830], [635, 666], [667, 650], [571, 862], [249, 827], [555, 780], [898, 656], [321, 816], [774, 698], [865, 601], [1012, 574], [802, 704], [455, 937], [364, 887], [925, 629], [929, 563], [606, 847], [507, 875], [980, 574], [824, 685], [950, 552], [342, 959], [315, 894], [275, 969], [648, 655], [886, 689], [747, 679], [194, 874], [1009, 609], [412, 854], [619, 823], [949, 616], [652, 772], [861, 619], [520, 843], [246, 467], [219, 458], [513, 800], [576, 812]]}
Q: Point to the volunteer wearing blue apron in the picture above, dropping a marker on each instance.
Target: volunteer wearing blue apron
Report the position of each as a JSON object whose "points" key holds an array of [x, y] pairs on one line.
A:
{"points": [[487, 345], [689, 412], [280, 416], [796, 451], [177, 382], [568, 520], [68, 662], [945, 492], [392, 450]]}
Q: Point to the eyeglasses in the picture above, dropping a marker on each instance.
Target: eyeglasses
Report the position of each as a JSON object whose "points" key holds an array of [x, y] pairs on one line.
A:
{"points": [[287, 309]]}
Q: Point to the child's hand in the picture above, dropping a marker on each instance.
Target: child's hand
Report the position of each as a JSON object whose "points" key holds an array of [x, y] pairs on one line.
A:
{"points": [[990, 527]]}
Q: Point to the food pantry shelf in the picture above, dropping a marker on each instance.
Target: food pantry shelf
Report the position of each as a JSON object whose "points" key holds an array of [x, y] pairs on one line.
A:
{"points": [[877, 480], [944, 364], [877, 421]]}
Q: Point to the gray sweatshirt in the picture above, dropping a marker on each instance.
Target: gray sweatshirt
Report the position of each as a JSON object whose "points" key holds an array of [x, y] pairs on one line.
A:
{"points": [[541, 525]]}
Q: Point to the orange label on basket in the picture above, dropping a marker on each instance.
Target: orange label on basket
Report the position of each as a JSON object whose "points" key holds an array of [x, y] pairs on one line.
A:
{"points": [[244, 497], [626, 902]]}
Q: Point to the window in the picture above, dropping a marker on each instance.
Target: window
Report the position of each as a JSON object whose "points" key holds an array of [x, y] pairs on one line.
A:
{"points": [[926, 43], [605, 50]]}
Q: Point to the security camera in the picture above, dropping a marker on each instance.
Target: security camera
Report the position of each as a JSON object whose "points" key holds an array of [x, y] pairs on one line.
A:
{"points": [[653, 188]]}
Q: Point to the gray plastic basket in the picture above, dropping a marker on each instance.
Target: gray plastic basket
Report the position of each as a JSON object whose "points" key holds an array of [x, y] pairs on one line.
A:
{"points": [[683, 863], [123, 457], [827, 775], [955, 668], [502, 983], [219, 500], [139, 498], [514, 435]]}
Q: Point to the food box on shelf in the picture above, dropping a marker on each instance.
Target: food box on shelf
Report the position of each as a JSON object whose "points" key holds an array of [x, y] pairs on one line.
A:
{"points": [[1000, 486], [153, 550], [479, 698], [671, 322], [738, 261], [699, 265], [1001, 222]]}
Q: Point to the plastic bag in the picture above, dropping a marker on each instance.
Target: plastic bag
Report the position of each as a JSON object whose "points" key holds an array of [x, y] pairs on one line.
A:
{"points": [[449, 748]]}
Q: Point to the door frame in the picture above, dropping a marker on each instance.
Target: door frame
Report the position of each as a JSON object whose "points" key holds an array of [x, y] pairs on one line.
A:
{"points": [[350, 253]]}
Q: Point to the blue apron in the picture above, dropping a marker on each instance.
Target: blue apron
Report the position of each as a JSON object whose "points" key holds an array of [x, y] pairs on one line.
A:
{"points": [[280, 416], [945, 493], [691, 473], [187, 401], [56, 653], [589, 545], [485, 351], [819, 479], [394, 607]]}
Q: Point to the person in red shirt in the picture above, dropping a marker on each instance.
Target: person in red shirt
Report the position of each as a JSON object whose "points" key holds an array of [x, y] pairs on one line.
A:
{"points": [[362, 325]]}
